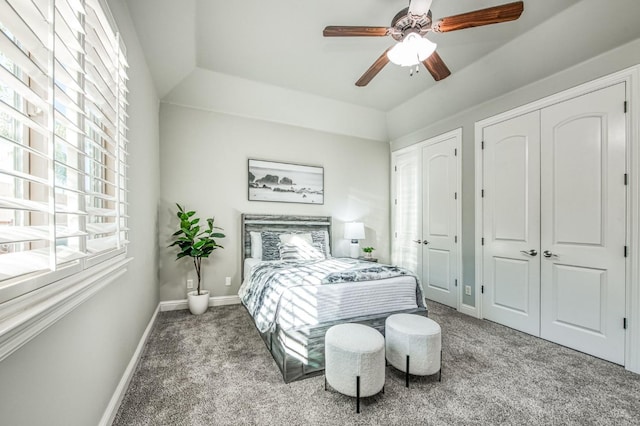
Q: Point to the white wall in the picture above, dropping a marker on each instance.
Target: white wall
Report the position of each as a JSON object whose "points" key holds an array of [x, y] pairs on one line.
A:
{"points": [[419, 130], [67, 375], [203, 158], [214, 91]]}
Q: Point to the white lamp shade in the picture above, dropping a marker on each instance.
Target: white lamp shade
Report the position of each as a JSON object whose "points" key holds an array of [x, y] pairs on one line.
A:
{"points": [[411, 51], [354, 231]]}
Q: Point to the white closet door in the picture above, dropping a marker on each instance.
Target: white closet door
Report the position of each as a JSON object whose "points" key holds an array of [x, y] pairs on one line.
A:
{"points": [[439, 222], [583, 223], [511, 223], [406, 250]]}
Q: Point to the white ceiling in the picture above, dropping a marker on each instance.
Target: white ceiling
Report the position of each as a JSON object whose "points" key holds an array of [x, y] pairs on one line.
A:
{"points": [[279, 42]]}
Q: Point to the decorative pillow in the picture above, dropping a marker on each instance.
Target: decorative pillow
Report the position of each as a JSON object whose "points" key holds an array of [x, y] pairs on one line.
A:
{"points": [[270, 242], [296, 238], [322, 237], [301, 252], [256, 245]]}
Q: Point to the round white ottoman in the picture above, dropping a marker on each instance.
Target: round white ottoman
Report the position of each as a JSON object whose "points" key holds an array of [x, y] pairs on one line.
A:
{"points": [[354, 360], [414, 345]]}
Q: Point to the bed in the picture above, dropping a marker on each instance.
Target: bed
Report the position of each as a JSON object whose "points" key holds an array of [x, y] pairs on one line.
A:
{"points": [[294, 290]]}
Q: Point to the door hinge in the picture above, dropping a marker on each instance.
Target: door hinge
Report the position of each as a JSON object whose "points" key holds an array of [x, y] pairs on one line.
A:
{"points": [[396, 235], [456, 282], [625, 251], [455, 152], [395, 168], [482, 145], [482, 193], [482, 289], [396, 201], [455, 239], [626, 179], [455, 195], [625, 106], [482, 241], [624, 323]]}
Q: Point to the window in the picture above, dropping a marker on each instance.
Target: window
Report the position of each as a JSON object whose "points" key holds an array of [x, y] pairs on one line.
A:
{"points": [[63, 141]]}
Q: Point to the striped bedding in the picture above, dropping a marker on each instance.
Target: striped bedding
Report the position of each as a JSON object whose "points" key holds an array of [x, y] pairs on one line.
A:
{"points": [[292, 294]]}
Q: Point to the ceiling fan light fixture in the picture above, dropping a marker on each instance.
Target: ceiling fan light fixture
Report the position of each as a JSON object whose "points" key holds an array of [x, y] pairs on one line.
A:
{"points": [[411, 51], [419, 7]]}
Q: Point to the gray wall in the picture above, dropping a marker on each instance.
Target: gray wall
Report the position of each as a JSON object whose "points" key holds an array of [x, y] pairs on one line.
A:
{"points": [[614, 60], [204, 157], [67, 375]]}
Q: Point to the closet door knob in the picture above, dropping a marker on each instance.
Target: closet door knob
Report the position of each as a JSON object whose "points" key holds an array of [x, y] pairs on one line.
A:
{"points": [[548, 254], [531, 252], [425, 242], [417, 241]]}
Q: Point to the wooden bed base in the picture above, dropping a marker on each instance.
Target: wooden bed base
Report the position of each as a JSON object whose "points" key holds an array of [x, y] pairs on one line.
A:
{"points": [[299, 353]]}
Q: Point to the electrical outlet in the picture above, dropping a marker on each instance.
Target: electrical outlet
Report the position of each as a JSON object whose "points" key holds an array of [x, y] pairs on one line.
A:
{"points": [[189, 283], [467, 290], [227, 281]]}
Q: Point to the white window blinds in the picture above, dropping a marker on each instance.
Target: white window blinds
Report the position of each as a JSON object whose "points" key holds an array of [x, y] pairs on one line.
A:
{"points": [[63, 137]]}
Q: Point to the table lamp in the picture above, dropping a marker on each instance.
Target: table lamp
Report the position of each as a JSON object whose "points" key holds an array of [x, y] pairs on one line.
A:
{"points": [[354, 231]]}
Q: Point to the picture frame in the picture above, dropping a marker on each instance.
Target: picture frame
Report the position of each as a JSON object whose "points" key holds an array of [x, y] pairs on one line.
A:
{"points": [[273, 181]]}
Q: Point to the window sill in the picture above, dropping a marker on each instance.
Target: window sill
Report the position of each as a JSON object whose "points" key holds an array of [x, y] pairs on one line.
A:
{"points": [[23, 318]]}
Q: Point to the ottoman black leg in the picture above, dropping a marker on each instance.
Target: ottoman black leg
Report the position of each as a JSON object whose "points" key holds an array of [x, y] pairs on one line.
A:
{"points": [[325, 382], [357, 394], [440, 375], [406, 377]]}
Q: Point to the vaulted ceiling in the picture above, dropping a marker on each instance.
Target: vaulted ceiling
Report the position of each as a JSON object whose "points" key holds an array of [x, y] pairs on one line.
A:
{"points": [[280, 42]]}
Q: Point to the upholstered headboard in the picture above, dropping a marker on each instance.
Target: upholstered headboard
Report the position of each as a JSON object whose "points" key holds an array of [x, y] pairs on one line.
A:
{"points": [[279, 223]]}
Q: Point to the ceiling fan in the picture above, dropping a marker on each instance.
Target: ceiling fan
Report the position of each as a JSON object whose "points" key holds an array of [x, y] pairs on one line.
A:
{"points": [[409, 28]]}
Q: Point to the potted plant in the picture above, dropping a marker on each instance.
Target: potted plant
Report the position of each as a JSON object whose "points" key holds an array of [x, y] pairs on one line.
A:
{"points": [[368, 252], [196, 242]]}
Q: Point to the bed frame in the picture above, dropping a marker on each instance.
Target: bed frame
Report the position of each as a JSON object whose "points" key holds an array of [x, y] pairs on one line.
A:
{"points": [[299, 352]]}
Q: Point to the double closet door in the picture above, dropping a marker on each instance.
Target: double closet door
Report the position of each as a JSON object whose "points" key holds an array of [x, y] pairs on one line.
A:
{"points": [[554, 223], [426, 210]]}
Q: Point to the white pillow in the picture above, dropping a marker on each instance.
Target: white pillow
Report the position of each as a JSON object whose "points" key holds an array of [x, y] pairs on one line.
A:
{"points": [[296, 239], [301, 251], [256, 245]]}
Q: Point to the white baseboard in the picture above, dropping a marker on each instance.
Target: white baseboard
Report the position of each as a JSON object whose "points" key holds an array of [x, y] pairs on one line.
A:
{"points": [[112, 408], [177, 305], [469, 310]]}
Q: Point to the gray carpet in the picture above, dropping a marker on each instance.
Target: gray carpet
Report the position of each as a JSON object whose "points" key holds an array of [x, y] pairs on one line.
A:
{"points": [[214, 369]]}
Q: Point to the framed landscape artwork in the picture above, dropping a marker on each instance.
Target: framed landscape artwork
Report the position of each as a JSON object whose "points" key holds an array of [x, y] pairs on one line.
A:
{"points": [[285, 183]]}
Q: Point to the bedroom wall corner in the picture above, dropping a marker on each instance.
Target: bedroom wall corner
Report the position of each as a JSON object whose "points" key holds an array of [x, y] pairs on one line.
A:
{"points": [[203, 158]]}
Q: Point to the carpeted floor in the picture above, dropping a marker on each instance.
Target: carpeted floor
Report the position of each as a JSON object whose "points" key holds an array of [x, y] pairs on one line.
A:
{"points": [[214, 369]]}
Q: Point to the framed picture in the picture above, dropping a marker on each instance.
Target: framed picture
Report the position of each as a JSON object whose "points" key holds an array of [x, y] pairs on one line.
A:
{"points": [[285, 183]]}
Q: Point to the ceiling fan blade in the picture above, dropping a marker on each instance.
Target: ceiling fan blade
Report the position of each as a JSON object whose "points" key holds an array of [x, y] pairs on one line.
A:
{"points": [[373, 69], [477, 18], [436, 66], [344, 31]]}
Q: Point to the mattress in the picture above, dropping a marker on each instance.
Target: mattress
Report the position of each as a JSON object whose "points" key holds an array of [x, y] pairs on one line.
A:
{"points": [[310, 303]]}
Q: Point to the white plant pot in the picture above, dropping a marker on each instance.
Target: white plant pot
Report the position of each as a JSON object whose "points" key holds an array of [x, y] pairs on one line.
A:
{"points": [[198, 304]]}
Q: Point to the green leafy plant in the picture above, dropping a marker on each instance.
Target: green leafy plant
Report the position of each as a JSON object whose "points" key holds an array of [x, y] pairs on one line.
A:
{"points": [[368, 249], [195, 241]]}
